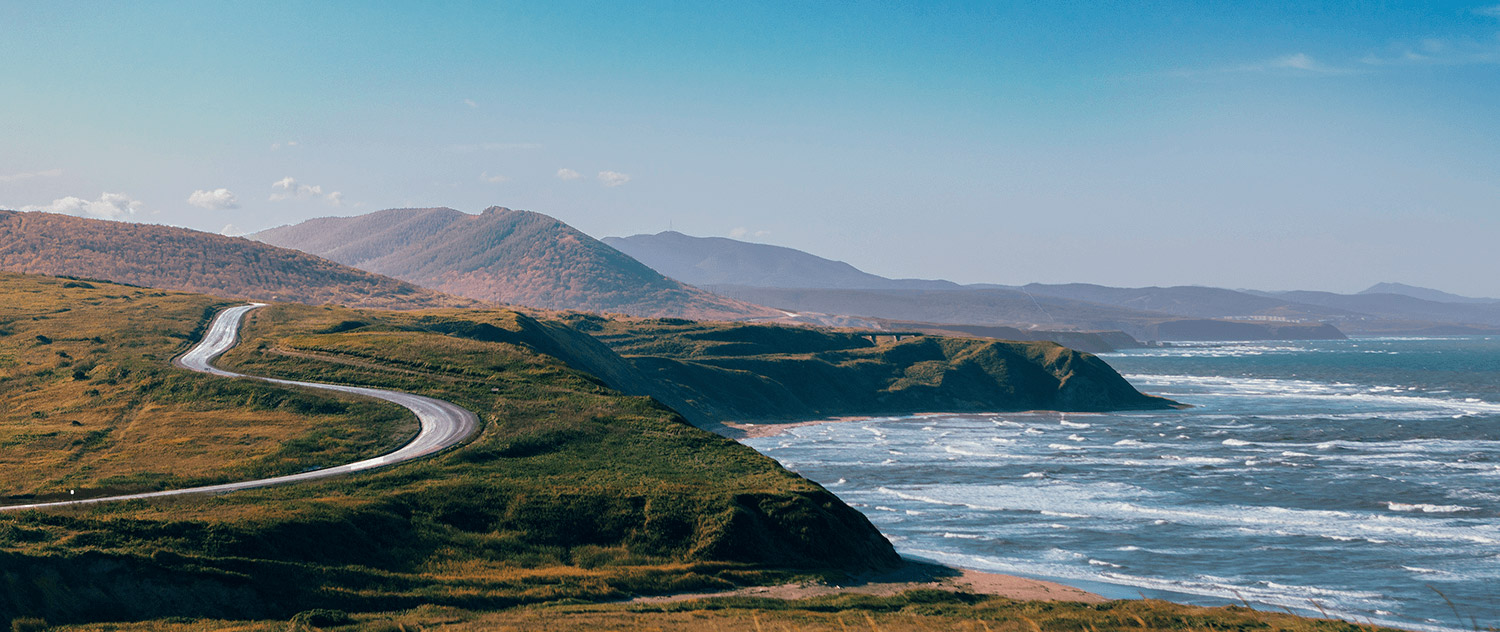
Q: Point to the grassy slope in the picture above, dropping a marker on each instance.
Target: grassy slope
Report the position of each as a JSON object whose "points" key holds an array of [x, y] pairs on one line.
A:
{"points": [[736, 371], [914, 611], [89, 403], [571, 491]]}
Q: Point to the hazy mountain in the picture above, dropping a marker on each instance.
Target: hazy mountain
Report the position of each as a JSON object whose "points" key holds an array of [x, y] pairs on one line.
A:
{"points": [[180, 259], [801, 282], [1193, 301], [1402, 307], [516, 257], [1426, 294], [930, 310], [711, 261]]}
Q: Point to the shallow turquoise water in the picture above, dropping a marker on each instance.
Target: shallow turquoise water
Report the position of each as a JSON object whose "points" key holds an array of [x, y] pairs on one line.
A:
{"points": [[1360, 475]]}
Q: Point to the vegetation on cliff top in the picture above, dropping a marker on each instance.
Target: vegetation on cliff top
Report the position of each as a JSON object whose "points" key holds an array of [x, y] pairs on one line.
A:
{"points": [[729, 371]]}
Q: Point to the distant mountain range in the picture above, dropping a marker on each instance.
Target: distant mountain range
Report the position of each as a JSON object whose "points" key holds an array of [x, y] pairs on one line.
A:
{"points": [[507, 256], [1426, 294], [800, 282], [530, 259], [180, 259], [709, 261]]}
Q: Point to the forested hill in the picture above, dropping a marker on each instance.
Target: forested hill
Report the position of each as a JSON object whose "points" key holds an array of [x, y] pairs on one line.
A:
{"points": [[180, 259]]}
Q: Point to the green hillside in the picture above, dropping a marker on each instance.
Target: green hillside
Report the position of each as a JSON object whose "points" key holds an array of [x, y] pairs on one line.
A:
{"points": [[725, 371], [571, 490]]}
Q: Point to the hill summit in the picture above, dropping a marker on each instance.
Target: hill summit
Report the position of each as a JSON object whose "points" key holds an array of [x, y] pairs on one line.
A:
{"points": [[173, 258], [503, 255]]}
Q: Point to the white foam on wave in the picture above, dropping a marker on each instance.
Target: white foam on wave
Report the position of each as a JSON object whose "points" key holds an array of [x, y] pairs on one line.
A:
{"points": [[1034, 475], [1426, 508], [951, 449], [1128, 442], [1074, 437], [1339, 394], [963, 536], [1063, 446], [1121, 502], [1070, 424], [1234, 442]]}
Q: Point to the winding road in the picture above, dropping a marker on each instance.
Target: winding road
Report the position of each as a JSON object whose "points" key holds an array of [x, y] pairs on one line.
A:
{"points": [[444, 424]]}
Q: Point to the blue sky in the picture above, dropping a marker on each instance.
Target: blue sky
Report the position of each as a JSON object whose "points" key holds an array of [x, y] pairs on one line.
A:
{"points": [[1270, 146]]}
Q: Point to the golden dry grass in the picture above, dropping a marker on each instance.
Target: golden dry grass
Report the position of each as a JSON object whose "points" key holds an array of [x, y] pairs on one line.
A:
{"points": [[88, 400]]}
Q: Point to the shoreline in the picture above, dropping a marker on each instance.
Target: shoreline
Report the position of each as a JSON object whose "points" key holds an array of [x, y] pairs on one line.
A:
{"points": [[915, 574], [763, 429]]}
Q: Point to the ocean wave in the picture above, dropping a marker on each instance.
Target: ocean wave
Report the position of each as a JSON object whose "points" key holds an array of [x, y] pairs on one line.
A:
{"points": [[1341, 393], [964, 536], [962, 452], [1426, 508], [1121, 502]]}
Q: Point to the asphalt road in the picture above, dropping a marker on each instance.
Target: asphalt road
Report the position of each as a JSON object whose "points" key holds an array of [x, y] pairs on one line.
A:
{"points": [[444, 424]]}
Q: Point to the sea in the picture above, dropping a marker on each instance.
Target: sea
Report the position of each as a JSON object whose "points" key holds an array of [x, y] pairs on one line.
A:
{"points": [[1358, 478]]}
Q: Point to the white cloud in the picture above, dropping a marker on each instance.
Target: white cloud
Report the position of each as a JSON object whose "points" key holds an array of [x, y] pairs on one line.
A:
{"points": [[613, 178], [497, 179], [108, 206], [471, 103], [741, 232], [1292, 63], [1298, 61], [1441, 52], [27, 175], [215, 200], [289, 188], [230, 230], [290, 143], [568, 174]]}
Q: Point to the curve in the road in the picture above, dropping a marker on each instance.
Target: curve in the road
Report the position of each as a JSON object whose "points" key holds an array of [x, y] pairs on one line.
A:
{"points": [[444, 424]]}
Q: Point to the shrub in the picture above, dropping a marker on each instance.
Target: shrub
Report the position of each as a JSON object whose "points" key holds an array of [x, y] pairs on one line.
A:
{"points": [[28, 624], [321, 618]]}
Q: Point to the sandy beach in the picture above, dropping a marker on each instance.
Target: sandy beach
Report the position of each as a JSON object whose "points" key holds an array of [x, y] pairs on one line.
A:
{"points": [[913, 576]]}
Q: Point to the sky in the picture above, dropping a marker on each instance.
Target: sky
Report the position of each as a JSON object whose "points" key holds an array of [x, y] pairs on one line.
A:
{"points": [[1266, 145]]}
